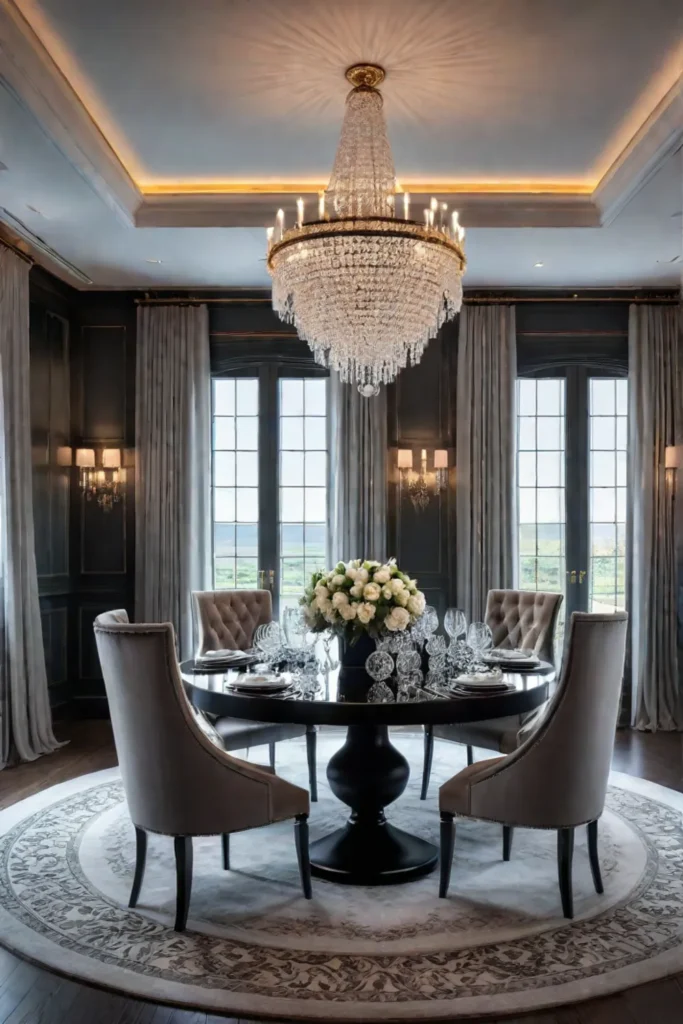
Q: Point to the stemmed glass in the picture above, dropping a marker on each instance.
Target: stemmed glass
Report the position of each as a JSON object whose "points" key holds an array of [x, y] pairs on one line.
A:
{"points": [[294, 627], [455, 623], [479, 638]]}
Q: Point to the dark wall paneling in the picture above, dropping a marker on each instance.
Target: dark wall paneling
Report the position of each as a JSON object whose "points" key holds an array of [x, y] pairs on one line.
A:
{"points": [[54, 616], [103, 543], [421, 415], [103, 372]]}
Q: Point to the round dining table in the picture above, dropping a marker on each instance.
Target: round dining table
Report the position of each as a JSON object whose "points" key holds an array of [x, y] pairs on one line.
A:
{"points": [[367, 773]]}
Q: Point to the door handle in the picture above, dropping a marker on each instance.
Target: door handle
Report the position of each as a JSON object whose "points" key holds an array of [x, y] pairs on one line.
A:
{"points": [[576, 576], [266, 579]]}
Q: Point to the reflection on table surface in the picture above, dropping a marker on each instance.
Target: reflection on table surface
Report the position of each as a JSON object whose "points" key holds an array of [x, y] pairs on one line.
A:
{"points": [[329, 687]]}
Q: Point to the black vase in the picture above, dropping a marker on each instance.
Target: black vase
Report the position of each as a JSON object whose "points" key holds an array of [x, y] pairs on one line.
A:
{"points": [[355, 654], [354, 682]]}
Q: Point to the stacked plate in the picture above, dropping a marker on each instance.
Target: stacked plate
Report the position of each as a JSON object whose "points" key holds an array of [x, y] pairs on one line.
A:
{"points": [[224, 659], [512, 660], [480, 684], [267, 684]]}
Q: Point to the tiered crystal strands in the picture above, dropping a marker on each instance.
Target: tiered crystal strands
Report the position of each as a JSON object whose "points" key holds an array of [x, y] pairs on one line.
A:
{"points": [[363, 284]]}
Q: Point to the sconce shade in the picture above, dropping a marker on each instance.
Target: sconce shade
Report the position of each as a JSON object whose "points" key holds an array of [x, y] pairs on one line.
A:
{"points": [[64, 455], [85, 458], [111, 458], [440, 458], [405, 458], [672, 457]]}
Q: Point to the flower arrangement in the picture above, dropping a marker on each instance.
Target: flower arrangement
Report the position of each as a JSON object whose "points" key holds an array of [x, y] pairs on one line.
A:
{"points": [[362, 597]]}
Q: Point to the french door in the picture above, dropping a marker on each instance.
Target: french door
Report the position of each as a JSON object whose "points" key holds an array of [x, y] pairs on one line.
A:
{"points": [[269, 479], [572, 486]]}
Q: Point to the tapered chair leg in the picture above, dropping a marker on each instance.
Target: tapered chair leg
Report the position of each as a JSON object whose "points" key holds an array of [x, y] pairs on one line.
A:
{"points": [[271, 755], [470, 755], [311, 742], [140, 861], [593, 855], [225, 845], [446, 852], [507, 841], [302, 855], [183, 865], [427, 765], [565, 853]]}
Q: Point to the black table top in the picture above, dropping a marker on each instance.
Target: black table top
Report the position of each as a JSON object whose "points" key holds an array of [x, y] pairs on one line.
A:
{"points": [[209, 691]]}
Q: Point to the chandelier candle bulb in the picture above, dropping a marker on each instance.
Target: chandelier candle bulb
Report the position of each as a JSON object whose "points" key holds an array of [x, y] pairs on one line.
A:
{"points": [[455, 224], [321, 206], [269, 237], [299, 213], [280, 218], [427, 212], [406, 205]]}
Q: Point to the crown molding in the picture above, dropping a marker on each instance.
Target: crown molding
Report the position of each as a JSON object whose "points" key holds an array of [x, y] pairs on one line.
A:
{"points": [[654, 142], [30, 75], [257, 210]]}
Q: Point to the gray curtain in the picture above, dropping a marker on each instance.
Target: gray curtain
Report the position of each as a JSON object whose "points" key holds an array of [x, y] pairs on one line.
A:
{"points": [[485, 454], [173, 465], [655, 390], [25, 717], [358, 473]]}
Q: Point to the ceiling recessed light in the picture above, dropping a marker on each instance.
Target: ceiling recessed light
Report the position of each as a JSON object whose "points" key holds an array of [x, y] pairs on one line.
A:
{"points": [[154, 261], [538, 264]]}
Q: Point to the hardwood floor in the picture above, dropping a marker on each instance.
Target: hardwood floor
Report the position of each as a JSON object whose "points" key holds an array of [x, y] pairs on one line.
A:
{"points": [[30, 995]]}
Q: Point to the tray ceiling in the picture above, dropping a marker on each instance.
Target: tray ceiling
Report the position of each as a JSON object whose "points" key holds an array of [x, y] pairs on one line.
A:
{"points": [[168, 131]]}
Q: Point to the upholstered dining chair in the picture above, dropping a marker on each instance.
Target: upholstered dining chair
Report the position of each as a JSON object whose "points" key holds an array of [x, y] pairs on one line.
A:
{"points": [[558, 778], [227, 619], [177, 782], [516, 618]]}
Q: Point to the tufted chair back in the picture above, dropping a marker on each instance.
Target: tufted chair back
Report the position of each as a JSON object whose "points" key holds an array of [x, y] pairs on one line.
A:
{"points": [[524, 618], [227, 619]]}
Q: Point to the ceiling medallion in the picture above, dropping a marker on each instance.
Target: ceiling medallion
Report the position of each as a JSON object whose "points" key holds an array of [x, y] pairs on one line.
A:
{"points": [[363, 284]]}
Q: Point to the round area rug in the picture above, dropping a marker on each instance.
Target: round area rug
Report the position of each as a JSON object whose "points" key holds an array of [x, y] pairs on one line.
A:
{"points": [[498, 944]]}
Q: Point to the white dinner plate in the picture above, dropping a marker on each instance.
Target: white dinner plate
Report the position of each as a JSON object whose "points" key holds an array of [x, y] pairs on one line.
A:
{"points": [[479, 680], [512, 659], [262, 684]]}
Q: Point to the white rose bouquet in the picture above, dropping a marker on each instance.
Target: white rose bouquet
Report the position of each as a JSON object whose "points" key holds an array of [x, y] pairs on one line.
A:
{"points": [[362, 597]]}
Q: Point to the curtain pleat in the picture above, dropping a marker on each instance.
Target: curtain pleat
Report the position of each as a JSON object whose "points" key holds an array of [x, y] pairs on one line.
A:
{"points": [[485, 455], [26, 725], [173, 467], [655, 390], [358, 473]]}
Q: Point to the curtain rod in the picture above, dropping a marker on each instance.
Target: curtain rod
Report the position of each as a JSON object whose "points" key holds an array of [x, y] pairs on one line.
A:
{"points": [[509, 300], [17, 252]]}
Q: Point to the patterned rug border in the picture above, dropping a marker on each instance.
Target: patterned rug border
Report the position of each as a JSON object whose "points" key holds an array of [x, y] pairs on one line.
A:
{"points": [[25, 942]]}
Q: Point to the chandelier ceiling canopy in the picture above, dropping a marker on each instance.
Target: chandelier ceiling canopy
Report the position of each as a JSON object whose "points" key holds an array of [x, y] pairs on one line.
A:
{"points": [[363, 284]]}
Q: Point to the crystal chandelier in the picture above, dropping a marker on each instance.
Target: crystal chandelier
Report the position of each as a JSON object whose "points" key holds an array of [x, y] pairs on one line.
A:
{"points": [[363, 284]]}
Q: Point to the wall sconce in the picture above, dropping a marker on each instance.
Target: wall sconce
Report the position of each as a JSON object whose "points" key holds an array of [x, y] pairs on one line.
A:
{"points": [[672, 462], [424, 485], [100, 485]]}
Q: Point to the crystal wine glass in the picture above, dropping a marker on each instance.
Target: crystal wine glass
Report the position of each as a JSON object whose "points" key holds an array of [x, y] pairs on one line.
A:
{"points": [[479, 638], [295, 627], [455, 623], [430, 620]]}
